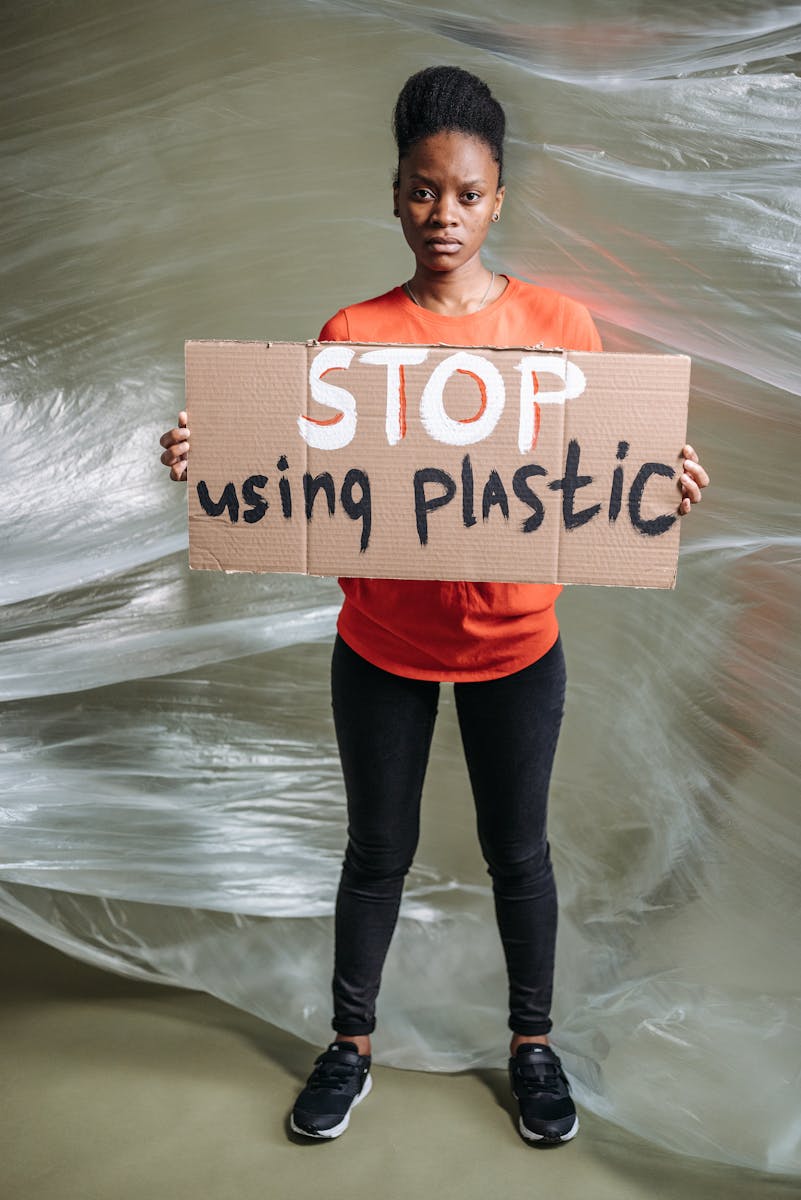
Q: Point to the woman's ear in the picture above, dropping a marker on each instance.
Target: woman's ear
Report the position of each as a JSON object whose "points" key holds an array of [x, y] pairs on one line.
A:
{"points": [[396, 209], [499, 195]]}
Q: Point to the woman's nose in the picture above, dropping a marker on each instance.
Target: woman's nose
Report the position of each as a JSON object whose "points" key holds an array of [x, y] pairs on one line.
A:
{"points": [[444, 211]]}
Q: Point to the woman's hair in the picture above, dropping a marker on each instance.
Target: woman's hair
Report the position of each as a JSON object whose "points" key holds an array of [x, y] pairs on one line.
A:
{"points": [[449, 99]]}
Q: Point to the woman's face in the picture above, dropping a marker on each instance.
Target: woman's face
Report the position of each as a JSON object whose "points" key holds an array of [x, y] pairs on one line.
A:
{"points": [[446, 194]]}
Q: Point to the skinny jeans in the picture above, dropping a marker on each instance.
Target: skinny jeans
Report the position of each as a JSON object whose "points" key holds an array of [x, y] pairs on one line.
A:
{"points": [[509, 729]]}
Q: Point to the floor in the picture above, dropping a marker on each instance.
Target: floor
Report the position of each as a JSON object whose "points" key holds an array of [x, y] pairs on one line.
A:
{"points": [[117, 1090]]}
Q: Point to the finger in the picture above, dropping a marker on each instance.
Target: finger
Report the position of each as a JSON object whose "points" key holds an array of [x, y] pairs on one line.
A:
{"points": [[690, 488], [178, 435], [684, 507], [180, 449], [688, 452], [178, 472], [174, 454], [182, 419], [174, 435], [697, 472]]}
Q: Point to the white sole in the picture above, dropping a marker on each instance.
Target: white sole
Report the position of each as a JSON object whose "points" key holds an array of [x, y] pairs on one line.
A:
{"points": [[336, 1130], [538, 1137]]}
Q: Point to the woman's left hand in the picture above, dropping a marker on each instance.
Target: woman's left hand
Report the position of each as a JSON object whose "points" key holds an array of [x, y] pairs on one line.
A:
{"points": [[693, 478]]}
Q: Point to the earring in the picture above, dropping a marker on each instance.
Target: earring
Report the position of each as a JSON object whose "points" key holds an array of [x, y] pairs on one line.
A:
{"points": [[396, 212], [496, 216]]}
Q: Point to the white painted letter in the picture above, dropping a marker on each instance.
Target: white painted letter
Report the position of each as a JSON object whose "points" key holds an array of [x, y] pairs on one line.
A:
{"points": [[330, 433], [395, 358], [464, 432], [530, 366]]}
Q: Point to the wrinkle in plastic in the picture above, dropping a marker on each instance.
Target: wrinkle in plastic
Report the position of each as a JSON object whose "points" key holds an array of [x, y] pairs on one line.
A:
{"points": [[172, 807]]}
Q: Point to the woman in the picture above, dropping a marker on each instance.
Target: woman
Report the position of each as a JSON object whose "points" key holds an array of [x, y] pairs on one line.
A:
{"points": [[398, 639]]}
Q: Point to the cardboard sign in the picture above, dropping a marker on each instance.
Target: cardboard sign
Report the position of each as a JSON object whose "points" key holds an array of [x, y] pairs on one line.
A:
{"points": [[435, 462]]}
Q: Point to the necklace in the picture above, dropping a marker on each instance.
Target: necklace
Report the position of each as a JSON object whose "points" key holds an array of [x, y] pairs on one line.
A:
{"points": [[412, 296]]}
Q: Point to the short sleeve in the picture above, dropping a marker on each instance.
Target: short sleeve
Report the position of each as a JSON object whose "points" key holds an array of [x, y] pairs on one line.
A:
{"points": [[577, 328], [335, 330], [586, 336]]}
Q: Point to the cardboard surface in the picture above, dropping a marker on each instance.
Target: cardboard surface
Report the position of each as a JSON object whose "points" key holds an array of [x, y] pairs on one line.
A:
{"points": [[435, 462]]}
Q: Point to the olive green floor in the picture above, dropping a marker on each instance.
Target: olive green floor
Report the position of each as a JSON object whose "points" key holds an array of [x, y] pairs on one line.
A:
{"points": [[117, 1090]]}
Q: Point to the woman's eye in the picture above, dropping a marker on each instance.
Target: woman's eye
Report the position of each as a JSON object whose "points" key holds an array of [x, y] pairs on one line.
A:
{"points": [[422, 194], [472, 196]]}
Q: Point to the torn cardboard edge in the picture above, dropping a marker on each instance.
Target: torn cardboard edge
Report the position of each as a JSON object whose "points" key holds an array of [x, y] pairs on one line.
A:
{"points": [[384, 460]]}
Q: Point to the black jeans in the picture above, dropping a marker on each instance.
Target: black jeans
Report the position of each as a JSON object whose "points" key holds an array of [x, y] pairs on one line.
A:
{"points": [[509, 729]]}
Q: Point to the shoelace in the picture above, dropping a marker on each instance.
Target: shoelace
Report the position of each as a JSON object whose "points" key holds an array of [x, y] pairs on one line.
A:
{"points": [[539, 1077], [332, 1077]]}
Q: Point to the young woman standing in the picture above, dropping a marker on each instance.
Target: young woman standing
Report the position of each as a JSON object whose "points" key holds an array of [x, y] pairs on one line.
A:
{"points": [[498, 644]]}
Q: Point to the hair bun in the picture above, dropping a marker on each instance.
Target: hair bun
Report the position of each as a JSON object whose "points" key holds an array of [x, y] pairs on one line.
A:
{"points": [[448, 98]]}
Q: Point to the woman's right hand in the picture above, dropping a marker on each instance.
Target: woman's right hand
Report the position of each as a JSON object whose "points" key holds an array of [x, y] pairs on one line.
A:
{"points": [[176, 452]]}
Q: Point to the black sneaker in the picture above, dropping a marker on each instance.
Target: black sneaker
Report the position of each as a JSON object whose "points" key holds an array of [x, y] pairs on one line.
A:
{"points": [[340, 1079], [547, 1111]]}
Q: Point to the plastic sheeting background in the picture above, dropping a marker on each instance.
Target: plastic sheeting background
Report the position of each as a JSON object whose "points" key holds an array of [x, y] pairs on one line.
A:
{"points": [[171, 799]]}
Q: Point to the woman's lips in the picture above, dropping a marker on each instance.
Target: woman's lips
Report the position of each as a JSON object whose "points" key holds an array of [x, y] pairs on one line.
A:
{"points": [[443, 245]]}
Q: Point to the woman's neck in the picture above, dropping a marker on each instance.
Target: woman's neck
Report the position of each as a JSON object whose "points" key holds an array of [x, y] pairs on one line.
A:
{"points": [[455, 293]]}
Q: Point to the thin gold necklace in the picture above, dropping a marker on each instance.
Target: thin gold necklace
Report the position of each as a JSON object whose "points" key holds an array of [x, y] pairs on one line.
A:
{"points": [[412, 296]]}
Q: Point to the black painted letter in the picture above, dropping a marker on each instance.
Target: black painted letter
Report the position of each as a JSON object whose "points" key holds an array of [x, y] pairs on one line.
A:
{"points": [[570, 484], [659, 524], [228, 499], [494, 493], [422, 506], [283, 488], [312, 485], [616, 494], [358, 508], [524, 493], [468, 516], [259, 503]]}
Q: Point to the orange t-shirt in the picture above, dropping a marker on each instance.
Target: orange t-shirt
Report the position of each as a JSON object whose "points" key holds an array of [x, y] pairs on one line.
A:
{"points": [[441, 630]]}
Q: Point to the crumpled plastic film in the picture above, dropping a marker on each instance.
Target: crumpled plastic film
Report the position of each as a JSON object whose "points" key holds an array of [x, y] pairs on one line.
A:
{"points": [[172, 807]]}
